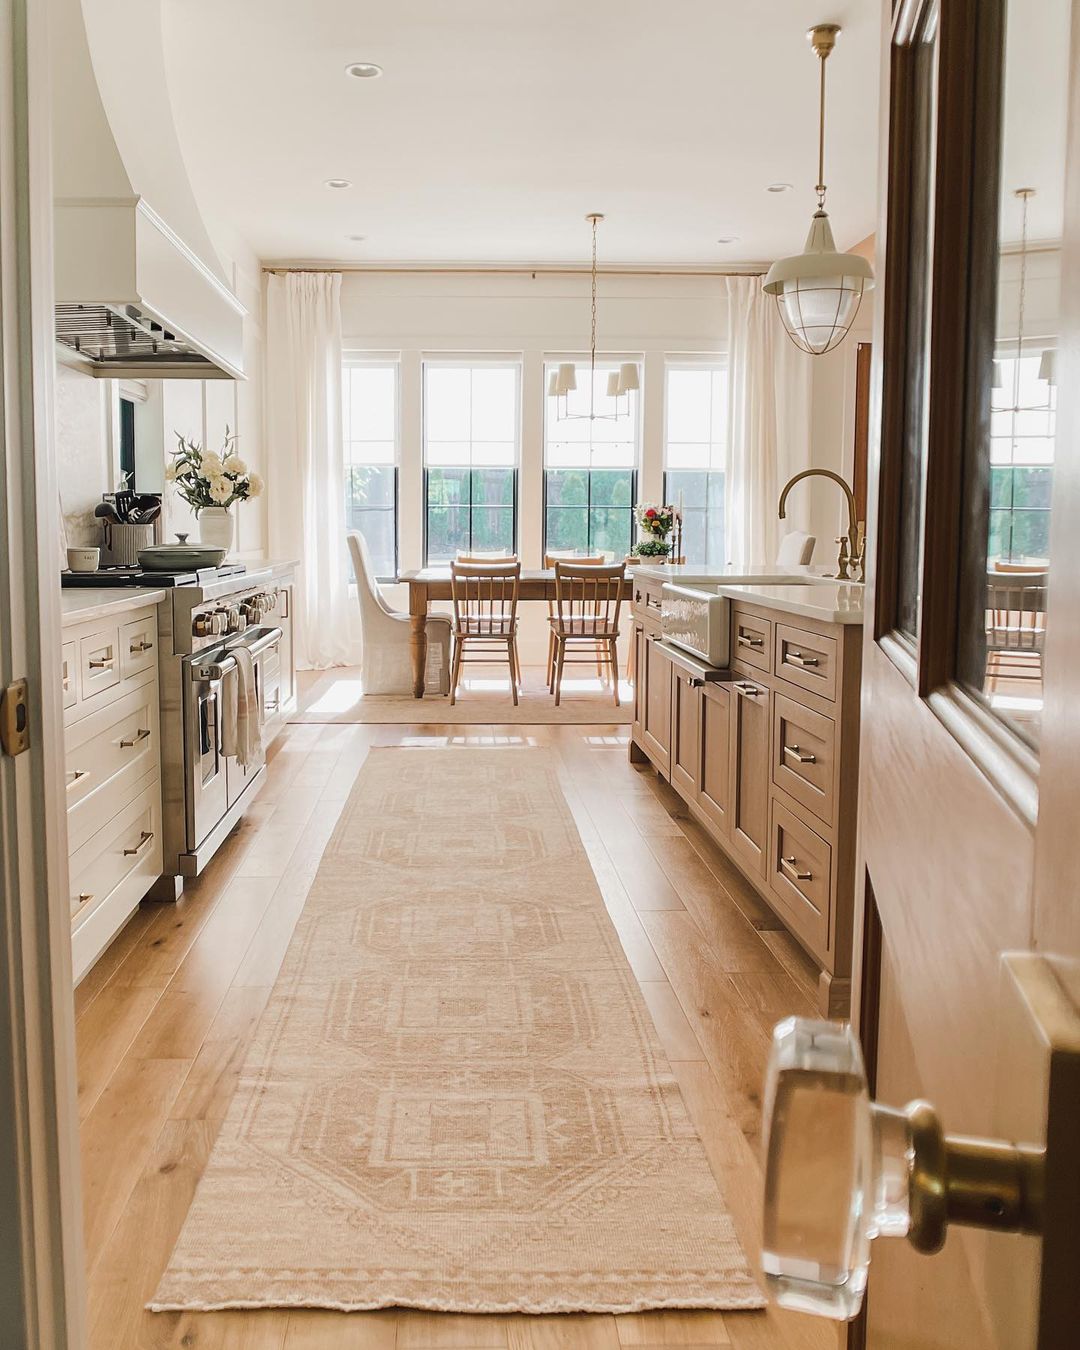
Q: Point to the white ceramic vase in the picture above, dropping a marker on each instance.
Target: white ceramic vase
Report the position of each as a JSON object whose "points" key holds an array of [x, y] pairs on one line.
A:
{"points": [[216, 527]]}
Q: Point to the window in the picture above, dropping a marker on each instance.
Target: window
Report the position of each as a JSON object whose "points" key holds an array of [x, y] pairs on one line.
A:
{"points": [[371, 445], [1022, 430], [471, 432], [695, 446], [590, 468]]}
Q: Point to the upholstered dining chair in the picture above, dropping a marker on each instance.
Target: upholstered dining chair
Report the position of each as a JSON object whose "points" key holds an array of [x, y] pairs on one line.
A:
{"points": [[796, 549], [550, 559], [588, 598], [485, 600], [385, 662]]}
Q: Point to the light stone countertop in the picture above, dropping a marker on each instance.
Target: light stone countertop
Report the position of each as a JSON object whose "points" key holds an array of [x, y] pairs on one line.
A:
{"points": [[816, 597], [79, 603]]}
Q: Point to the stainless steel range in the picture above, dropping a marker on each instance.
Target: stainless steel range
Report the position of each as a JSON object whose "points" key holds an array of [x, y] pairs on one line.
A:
{"points": [[204, 790]]}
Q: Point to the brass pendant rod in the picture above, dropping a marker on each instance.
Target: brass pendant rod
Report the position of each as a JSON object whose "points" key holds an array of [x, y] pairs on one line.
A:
{"points": [[821, 141]]}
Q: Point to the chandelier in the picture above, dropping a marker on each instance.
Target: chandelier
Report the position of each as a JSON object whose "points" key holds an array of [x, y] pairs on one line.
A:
{"points": [[563, 381], [1047, 360], [818, 291]]}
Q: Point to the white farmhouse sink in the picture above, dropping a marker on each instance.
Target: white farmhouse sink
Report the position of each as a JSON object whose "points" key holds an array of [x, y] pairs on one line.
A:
{"points": [[697, 620]]}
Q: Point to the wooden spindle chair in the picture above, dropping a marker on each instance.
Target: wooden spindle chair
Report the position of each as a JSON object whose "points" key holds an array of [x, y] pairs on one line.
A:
{"points": [[588, 599], [550, 559], [485, 600]]}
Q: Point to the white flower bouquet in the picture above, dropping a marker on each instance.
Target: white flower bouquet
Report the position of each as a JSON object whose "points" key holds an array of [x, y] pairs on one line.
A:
{"points": [[209, 477]]}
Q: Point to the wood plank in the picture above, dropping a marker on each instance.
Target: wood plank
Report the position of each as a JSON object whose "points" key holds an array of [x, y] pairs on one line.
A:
{"points": [[675, 1032], [449, 1331], [104, 1035], [564, 1331], [113, 957], [672, 1328], [316, 1329], [211, 1081]]}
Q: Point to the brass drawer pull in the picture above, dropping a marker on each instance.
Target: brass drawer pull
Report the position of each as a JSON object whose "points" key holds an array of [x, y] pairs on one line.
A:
{"points": [[140, 646], [103, 664], [797, 659], [791, 868], [84, 896], [75, 774], [801, 755], [144, 839], [756, 642], [750, 690], [140, 735]]}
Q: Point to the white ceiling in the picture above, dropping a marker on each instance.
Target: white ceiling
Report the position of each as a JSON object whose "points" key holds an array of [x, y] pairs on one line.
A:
{"points": [[497, 126]]}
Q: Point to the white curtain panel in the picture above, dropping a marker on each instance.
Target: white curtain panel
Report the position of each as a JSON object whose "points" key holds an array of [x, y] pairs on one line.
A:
{"points": [[306, 460], [768, 423]]}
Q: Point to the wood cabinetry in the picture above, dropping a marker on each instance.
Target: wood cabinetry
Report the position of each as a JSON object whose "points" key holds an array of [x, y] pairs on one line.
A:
{"points": [[766, 757]]}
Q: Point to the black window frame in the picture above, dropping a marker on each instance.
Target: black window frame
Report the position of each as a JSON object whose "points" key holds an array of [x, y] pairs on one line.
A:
{"points": [[670, 499], [587, 506], [471, 469]]}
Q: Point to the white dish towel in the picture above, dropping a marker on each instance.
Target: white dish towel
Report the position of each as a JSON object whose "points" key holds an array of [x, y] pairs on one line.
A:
{"points": [[241, 732]]}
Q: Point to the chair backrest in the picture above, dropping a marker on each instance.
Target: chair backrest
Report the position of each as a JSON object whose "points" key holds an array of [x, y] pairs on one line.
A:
{"points": [[796, 549], [1035, 568], [372, 606], [1016, 615], [585, 559], [588, 596], [482, 556], [485, 597]]}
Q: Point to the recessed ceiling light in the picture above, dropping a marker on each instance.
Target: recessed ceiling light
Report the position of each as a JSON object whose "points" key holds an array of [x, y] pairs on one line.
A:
{"points": [[778, 187], [338, 183], [363, 70], [728, 239], [356, 238]]}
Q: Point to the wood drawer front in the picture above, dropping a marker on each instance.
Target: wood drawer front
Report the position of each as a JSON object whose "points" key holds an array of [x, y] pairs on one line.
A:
{"points": [[138, 645], [647, 599], [714, 790], [68, 678], [800, 876], [806, 659], [804, 756], [126, 851], [105, 755], [752, 640], [749, 792], [99, 662]]}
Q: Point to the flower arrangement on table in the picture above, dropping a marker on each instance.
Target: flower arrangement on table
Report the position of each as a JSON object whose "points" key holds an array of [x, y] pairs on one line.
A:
{"points": [[655, 523], [207, 478]]}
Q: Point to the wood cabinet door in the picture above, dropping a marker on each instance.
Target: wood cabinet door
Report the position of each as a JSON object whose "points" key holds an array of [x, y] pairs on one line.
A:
{"points": [[685, 731], [656, 704], [749, 761], [970, 750], [637, 638], [714, 746]]}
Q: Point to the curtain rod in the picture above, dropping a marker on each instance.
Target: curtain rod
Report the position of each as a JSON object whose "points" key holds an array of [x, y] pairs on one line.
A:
{"points": [[518, 269]]}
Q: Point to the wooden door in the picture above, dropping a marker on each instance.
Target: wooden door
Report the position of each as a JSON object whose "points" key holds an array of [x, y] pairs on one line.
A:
{"points": [[685, 730], [749, 760], [656, 702], [714, 768], [970, 763]]}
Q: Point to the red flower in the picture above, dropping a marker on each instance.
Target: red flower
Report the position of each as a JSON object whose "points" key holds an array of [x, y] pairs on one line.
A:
{"points": [[649, 513]]}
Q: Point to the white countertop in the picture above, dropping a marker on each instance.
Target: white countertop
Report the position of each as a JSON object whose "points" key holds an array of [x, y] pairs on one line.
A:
{"points": [[813, 595], [98, 602]]}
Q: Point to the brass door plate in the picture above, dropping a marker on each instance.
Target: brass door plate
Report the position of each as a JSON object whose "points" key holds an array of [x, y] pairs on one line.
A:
{"points": [[14, 719]]}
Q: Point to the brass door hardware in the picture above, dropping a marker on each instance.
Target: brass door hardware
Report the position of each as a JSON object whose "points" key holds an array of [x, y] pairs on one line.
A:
{"points": [[140, 735], [791, 867], [15, 718], [756, 642], [103, 663], [803, 662], [803, 756], [140, 646], [144, 839]]}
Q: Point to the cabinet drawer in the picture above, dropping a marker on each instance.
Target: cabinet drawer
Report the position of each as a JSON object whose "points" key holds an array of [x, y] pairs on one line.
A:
{"points": [[68, 679], [126, 851], [806, 659], [647, 599], [714, 789], [804, 756], [800, 876], [752, 640], [138, 645], [105, 756], [99, 662], [749, 755]]}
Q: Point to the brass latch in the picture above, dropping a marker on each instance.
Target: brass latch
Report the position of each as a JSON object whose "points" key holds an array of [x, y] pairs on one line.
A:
{"points": [[14, 719]]}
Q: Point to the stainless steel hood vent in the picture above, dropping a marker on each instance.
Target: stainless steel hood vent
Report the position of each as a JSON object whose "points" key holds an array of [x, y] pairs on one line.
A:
{"points": [[129, 343], [140, 291]]}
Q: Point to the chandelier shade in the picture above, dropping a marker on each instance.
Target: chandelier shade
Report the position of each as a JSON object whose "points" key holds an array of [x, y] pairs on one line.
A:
{"points": [[818, 291]]}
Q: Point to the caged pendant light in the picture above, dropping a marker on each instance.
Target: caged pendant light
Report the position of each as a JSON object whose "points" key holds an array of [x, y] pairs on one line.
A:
{"points": [[563, 381], [818, 291]]}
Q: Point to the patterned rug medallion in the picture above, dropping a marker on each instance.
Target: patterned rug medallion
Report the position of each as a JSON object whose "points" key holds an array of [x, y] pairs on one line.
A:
{"points": [[456, 1099]]}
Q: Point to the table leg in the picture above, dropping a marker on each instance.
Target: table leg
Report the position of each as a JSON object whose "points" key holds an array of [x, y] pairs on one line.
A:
{"points": [[418, 603]]}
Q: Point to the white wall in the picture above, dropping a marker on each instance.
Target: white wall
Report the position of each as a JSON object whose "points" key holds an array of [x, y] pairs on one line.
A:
{"points": [[532, 315], [83, 452]]}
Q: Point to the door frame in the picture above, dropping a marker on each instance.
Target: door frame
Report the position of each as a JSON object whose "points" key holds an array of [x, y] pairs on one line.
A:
{"points": [[41, 1252]]}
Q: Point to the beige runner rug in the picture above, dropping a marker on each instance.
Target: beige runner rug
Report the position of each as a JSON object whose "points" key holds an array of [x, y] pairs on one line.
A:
{"points": [[456, 1099]]}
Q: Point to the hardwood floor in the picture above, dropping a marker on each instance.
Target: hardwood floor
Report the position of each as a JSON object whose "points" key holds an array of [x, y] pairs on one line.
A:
{"points": [[163, 1021]]}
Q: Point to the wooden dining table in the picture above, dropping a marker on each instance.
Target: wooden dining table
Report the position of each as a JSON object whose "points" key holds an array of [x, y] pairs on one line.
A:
{"points": [[433, 583]]}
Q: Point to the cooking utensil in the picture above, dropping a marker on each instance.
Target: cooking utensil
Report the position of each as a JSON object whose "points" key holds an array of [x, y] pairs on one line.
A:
{"points": [[106, 511], [179, 557]]}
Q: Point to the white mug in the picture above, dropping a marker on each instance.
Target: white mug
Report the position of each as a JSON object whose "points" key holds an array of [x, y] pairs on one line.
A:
{"points": [[83, 559]]}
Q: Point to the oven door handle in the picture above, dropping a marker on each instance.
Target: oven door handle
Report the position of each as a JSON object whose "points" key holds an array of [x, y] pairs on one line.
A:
{"points": [[203, 671]]}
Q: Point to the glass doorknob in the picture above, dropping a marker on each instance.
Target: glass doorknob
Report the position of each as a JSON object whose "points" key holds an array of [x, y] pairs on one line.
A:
{"points": [[841, 1170]]}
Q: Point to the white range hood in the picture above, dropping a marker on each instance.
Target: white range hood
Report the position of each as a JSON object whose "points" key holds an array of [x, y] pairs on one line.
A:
{"points": [[139, 289]]}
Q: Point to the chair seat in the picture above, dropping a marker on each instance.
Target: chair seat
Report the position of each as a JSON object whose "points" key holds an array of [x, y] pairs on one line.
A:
{"points": [[494, 628], [583, 628]]}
